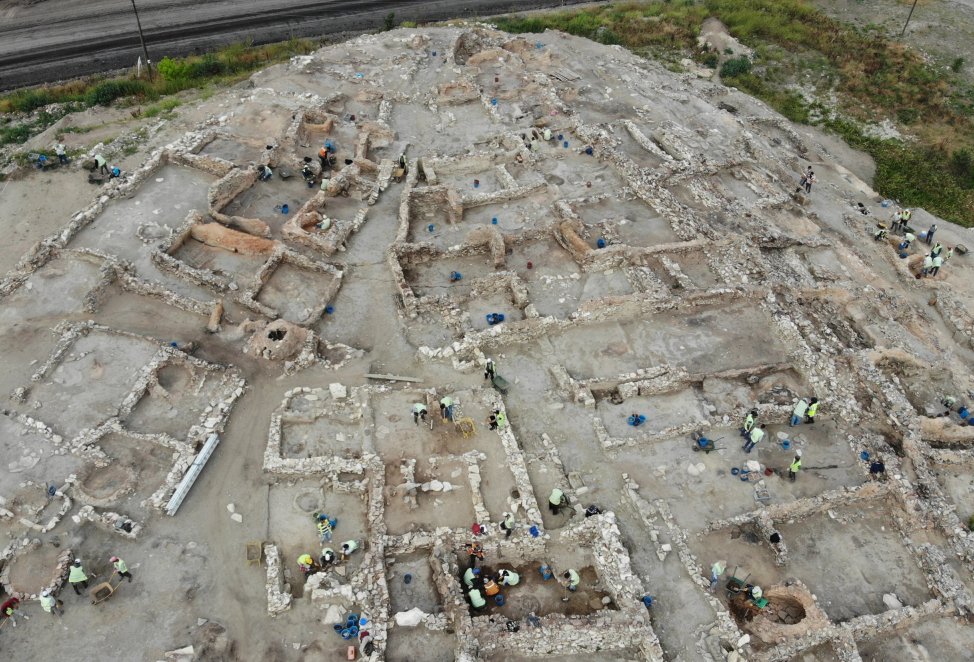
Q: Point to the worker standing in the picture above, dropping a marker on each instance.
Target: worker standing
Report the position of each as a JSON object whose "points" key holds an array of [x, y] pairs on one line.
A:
{"points": [[348, 547], [489, 370], [419, 412], [61, 151], [325, 527], [929, 237], [507, 524], [77, 577], [323, 157], [121, 568], [572, 580], [749, 420], [811, 411], [798, 413], [556, 500], [716, 570], [50, 604], [795, 466], [446, 407], [757, 434], [937, 263]]}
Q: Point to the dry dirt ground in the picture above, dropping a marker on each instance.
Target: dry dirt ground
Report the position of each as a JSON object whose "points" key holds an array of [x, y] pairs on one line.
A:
{"points": [[650, 257]]}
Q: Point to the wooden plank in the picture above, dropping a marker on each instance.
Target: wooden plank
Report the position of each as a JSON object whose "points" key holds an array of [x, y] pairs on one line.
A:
{"points": [[394, 378]]}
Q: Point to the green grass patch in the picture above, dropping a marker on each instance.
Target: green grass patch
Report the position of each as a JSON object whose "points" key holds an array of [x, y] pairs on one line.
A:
{"points": [[873, 78], [173, 75]]}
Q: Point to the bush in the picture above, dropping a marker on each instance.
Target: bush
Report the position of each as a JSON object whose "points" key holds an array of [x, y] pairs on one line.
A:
{"points": [[710, 60], [737, 66], [957, 65], [173, 70], [390, 21], [907, 115], [962, 163], [108, 91]]}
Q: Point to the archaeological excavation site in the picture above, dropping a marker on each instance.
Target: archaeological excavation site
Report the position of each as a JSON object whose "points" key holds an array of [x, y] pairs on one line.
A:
{"points": [[448, 344]]}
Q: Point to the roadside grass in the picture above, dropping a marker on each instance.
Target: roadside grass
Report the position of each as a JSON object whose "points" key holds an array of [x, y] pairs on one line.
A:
{"points": [[226, 66], [872, 77]]}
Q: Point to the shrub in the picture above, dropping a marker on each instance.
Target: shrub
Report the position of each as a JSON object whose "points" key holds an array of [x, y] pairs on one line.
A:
{"points": [[390, 21], [957, 65], [710, 60], [737, 66], [108, 91], [173, 70]]}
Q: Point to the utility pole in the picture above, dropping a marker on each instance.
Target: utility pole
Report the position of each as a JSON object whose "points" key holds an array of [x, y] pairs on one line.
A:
{"points": [[904, 25], [145, 51]]}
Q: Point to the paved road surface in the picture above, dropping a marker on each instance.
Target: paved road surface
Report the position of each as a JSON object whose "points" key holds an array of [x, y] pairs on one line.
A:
{"points": [[47, 40]]}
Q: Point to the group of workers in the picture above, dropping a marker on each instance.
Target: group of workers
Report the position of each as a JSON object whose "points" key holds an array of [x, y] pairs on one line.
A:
{"points": [[78, 579], [804, 411], [309, 565], [899, 224]]}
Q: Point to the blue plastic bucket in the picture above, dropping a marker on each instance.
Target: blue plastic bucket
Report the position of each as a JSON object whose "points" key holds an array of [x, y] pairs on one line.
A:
{"points": [[430, 227], [339, 627], [565, 144], [351, 620], [735, 471], [285, 209], [589, 151], [499, 599], [346, 634], [493, 102], [785, 444], [493, 221], [363, 622], [864, 456], [534, 531], [407, 578], [963, 411], [329, 309], [600, 242], [744, 477]]}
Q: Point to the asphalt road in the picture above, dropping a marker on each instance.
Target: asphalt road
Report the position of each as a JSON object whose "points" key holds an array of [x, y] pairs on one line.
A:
{"points": [[47, 40]]}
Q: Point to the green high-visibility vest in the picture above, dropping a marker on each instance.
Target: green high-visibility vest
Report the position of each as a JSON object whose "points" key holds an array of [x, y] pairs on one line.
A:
{"points": [[795, 466], [77, 574], [476, 599]]}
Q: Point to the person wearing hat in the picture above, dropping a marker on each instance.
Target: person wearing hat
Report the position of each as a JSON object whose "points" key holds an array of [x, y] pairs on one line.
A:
{"points": [[327, 557], [795, 466], [508, 577], [50, 604], [306, 563], [749, 420], [470, 576], [121, 568], [489, 370], [507, 524], [348, 547], [77, 576]]}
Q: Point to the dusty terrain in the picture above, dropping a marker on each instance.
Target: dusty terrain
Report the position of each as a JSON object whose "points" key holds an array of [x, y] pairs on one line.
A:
{"points": [[651, 256]]}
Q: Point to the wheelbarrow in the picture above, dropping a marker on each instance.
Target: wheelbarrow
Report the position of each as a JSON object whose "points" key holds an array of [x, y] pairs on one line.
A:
{"points": [[101, 592], [735, 585], [500, 384], [702, 443], [398, 174], [255, 553]]}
